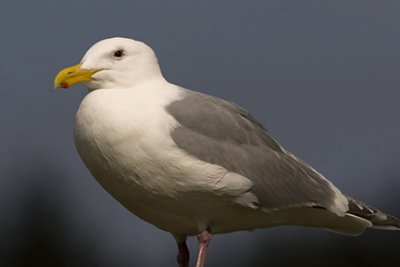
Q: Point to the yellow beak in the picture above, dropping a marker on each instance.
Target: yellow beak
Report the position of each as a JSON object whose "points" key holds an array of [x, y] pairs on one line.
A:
{"points": [[73, 75]]}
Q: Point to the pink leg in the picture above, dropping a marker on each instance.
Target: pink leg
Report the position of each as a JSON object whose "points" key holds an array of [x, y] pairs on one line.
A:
{"points": [[204, 240], [183, 255]]}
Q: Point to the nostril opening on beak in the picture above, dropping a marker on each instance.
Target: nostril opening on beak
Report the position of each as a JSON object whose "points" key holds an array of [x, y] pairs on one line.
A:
{"points": [[70, 72]]}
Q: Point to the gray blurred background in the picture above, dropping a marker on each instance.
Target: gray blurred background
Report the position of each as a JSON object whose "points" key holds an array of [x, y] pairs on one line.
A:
{"points": [[323, 76]]}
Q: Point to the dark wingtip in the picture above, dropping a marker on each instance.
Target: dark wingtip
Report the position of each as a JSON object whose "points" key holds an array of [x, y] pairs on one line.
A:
{"points": [[378, 219]]}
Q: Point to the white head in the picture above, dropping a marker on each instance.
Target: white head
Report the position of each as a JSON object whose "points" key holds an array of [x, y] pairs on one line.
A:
{"points": [[112, 63]]}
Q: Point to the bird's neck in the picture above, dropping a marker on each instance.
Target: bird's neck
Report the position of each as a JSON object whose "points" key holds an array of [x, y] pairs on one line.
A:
{"points": [[142, 75]]}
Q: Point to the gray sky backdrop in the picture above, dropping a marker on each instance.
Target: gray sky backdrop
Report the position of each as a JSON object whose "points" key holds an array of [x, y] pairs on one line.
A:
{"points": [[323, 77]]}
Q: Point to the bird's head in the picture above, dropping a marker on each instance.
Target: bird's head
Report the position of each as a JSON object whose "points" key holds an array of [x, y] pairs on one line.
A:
{"points": [[112, 63]]}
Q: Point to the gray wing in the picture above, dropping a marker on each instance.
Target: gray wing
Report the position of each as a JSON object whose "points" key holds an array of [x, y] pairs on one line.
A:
{"points": [[220, 132]]}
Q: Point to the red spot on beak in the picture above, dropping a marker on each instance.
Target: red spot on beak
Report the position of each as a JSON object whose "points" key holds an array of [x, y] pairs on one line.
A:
{"points": [[64, 85]]}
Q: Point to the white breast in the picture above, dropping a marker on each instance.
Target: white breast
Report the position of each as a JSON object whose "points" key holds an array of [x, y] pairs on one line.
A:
{"points": [[122, 131]]}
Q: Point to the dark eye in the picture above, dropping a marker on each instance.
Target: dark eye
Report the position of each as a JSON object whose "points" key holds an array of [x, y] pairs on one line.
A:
{"points": [[119, 53]]}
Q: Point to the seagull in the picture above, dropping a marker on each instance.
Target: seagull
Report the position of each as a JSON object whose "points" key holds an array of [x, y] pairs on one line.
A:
{"points": [[192, 164]]}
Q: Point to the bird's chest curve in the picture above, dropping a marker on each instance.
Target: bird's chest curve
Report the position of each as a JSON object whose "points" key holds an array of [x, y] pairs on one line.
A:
{"points": [[124, 140]]}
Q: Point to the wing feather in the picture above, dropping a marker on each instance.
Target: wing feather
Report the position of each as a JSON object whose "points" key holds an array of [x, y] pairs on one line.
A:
{"points": [[221, 132]]}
